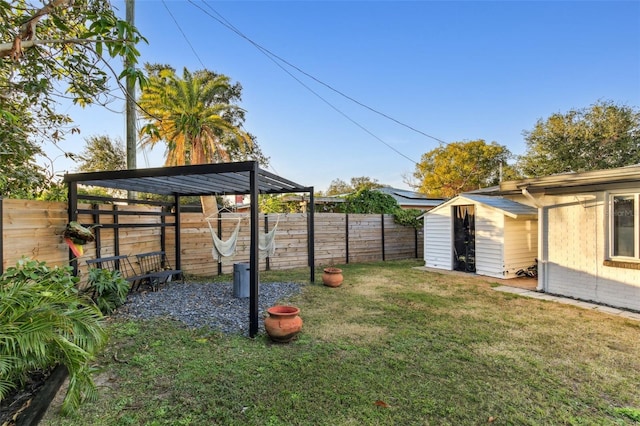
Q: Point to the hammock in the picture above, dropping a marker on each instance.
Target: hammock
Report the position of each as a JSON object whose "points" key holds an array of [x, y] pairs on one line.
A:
{"points": [[223, 248], [227, 248], [267, 242]]}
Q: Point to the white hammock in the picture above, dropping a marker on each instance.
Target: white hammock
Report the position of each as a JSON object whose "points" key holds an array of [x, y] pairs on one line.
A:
{"points": [[227, 248], [222, 248], [267, 242]]}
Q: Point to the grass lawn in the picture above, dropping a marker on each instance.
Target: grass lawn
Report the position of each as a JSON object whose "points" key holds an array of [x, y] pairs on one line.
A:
{"points": [[392, 346]]}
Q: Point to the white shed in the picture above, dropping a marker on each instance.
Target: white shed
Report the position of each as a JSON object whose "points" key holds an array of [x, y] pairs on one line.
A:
{"points": [[488, 235]]}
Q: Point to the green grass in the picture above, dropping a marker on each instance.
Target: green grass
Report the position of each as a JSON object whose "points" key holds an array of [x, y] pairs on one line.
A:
{"points": [[392, 346]]}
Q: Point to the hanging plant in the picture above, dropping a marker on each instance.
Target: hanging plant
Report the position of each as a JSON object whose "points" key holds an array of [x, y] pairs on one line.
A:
{"points": [[78, 233]]}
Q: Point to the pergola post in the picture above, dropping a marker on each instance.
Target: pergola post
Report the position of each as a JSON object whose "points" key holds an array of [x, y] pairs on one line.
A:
{"points": [[254, 253]]}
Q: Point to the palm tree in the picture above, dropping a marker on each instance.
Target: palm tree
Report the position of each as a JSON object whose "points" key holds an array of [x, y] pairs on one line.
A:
{"points": [[194, 116]]}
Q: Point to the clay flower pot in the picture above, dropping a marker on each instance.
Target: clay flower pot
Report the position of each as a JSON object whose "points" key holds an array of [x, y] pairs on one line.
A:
{"points": [[332, 277], [283, 323]]}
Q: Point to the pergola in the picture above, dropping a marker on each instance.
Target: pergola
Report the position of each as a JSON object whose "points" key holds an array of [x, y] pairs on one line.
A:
{"points": [[201, 180]]}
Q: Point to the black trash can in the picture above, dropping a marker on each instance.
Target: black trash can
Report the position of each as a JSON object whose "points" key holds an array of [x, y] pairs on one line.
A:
{"points": [[240, 280]]}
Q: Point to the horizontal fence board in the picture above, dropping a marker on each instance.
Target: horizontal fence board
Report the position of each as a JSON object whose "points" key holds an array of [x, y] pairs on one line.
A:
{"points": [[34, 229]]}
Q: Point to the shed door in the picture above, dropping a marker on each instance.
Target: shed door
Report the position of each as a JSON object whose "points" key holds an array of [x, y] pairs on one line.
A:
{"points": [[464, 238]]}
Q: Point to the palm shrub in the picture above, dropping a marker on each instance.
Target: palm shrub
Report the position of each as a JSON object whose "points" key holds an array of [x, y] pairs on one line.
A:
{"points": [[108, 289], [44, 322]]}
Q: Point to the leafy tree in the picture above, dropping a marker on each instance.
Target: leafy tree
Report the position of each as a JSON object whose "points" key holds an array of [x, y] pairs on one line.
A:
{"points": [[195, 116], [278, 203], [367, 201], [51, 50], [462, 166], [364, 182], [602, 136], [102, 154], [338, 187]]}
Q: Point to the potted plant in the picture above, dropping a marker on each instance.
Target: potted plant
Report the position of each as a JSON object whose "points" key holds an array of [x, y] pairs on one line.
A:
{"points": [[332, 276]]}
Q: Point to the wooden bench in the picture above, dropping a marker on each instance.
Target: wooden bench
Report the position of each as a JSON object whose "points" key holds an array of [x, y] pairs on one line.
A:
{"points": [[153, 268]]}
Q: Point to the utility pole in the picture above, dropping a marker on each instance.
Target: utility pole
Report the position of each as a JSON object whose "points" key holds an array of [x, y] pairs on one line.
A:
{"points": [[130, 109], [130, 101]]}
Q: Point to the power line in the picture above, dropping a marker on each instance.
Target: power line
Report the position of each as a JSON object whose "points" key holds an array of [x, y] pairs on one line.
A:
{"points": [[183, 34], [271, 57], [328, 86]]}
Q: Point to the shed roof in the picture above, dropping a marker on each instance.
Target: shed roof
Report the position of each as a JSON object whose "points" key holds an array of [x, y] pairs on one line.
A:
{"points": [[194, 180], [508, 207]]}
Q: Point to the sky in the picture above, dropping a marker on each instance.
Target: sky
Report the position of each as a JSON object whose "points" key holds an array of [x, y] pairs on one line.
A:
{"points": [[443, 71]]}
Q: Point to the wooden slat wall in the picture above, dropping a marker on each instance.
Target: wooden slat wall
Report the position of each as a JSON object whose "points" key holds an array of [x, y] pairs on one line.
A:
{"points": [[34, 229]]}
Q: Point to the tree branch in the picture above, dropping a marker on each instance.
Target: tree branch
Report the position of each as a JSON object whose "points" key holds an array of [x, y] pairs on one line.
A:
{"points": [[8, 49], [28, 29]]}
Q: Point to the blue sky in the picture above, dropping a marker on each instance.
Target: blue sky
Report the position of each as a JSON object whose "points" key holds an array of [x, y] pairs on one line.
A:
{"points": [[456, 71]]}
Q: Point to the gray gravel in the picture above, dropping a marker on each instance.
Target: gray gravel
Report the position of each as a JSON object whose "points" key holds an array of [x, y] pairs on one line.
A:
{"points": [[205, 305]]}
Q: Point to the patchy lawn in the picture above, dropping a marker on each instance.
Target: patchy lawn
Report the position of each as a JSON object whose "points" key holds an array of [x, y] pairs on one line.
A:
{"points": [[392, 345]]}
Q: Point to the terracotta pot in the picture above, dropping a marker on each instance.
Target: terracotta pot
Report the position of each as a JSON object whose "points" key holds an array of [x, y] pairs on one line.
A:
{"points": [[283, 323], [332, 277]]}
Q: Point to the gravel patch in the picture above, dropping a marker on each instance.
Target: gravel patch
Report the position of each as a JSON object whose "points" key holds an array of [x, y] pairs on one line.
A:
{"points": [[205, 305]]}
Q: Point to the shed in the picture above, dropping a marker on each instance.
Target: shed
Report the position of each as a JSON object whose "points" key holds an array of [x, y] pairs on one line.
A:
{"points": [[489, 235]]}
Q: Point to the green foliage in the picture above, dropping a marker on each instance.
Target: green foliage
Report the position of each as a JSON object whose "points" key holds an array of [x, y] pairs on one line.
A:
{"points": [[102, 154], [340, 187], [367, 201], [462, 166], [35, 79], [278, 203], [45, 322], [108, 289], [631, 413], [602, 136], [408, 217], [195, 117]]}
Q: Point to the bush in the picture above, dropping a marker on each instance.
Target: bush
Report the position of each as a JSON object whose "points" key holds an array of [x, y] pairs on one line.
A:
{"points": [[108, 289], [408, 217], [45, 322]]}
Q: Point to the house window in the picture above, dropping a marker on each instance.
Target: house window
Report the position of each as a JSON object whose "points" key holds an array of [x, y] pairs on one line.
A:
{"points": [[624, 226]]}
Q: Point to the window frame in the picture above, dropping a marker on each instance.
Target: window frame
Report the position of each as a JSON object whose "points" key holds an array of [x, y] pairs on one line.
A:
{"points": [[611, 226]]}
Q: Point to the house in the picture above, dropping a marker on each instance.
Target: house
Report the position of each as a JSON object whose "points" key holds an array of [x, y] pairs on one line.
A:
{"points": [[588, 233], [409, 199]]}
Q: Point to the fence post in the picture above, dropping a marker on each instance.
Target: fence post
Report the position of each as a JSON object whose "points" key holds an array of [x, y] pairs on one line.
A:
{"points": [[382, 229], [346, 235]]}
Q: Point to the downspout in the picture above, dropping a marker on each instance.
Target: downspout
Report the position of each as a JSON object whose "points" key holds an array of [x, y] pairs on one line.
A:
{"points": [[542, 251]]}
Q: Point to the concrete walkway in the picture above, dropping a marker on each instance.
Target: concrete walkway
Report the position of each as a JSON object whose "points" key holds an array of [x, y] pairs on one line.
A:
{"points": [[585, 305]]}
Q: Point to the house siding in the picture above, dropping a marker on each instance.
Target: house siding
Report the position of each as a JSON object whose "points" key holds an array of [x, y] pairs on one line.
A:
{"points": [[575, 250], [437, 240], [489, 241], [520, 245]]}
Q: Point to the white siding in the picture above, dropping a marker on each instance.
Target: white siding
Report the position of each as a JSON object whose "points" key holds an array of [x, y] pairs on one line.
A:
{"points": [[574, 246], [520, 245], [437, 240], [489, 241]]}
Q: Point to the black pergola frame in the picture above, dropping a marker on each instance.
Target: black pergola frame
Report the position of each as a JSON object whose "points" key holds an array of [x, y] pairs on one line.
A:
{"points": [[239, 178]]}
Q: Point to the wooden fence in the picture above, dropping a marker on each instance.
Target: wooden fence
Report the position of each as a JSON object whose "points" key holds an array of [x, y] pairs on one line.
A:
{"points": [[34, 229]]}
